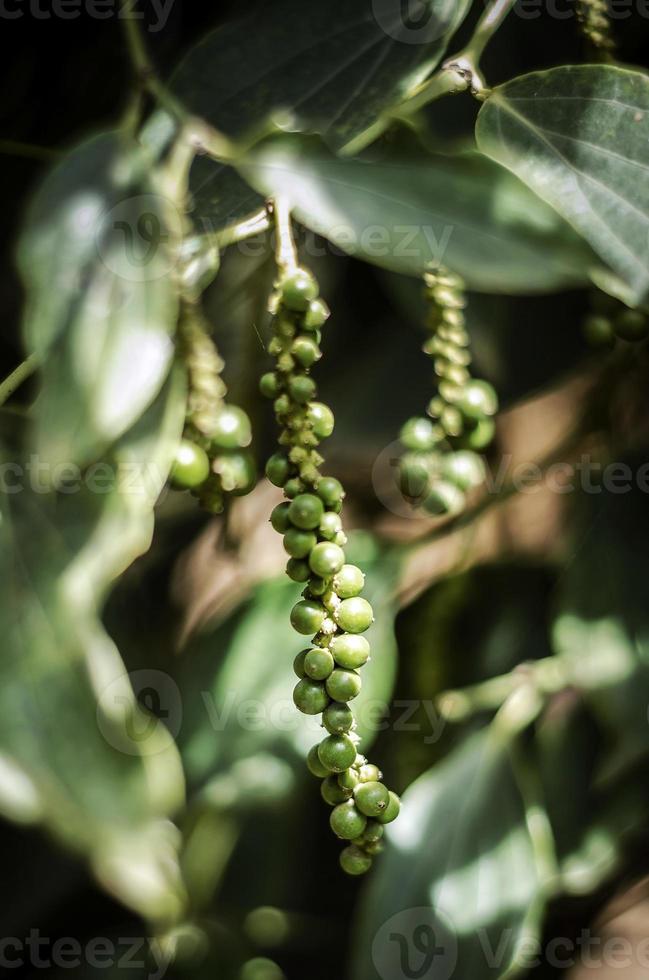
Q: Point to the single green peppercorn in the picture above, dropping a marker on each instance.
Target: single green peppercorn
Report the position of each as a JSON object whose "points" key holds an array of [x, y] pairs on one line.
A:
{"points": [[373, 832], [598, 331], [293, 487], [310, 697], [299, 544], [354, 615], [302, 388], [307, 616], [316, 315], [465, 469], [317, 586], [269, 385], [337, 718], [321, 418], [369, 773], [347, 822], [278, 469], [375, 847], [330, 525], [298, 290], [444, 499], [355, 861], [330, 490], [279, 518], [333, 793], [326, 559], [414, 476], [348, 582], [337, 752], [236, 471], [391, 812], [314, 765], [232, 429], [480, 435], [349, 778], [318, 664], [306, 511], [191, 466], [306, 351], [298, 664], [371, 798], [478, 399], [344, 685], [350, 650], [298, 570], [419, 434]]}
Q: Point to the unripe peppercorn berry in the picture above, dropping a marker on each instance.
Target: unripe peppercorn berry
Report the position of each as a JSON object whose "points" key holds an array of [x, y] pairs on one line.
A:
{"points": [[310, 697], [306, 511], [419, 434], [348, 779], [343, 685], [299, 544], [330, 490], [269, 385], [278, 469], [298, 290], [306, 351], [191, 466], [480, 435], [279, 518], [369, 773], [464, 469], [318, 664], [298, 570], [631, 325], [326, 559], [314, 765], [444, 499], [333, 793], [371, 798], [316, 315], [354, 615], [337, 752], [232, 429], [355, 861], [373, 832], [302, 388], [347, 822], [307, 616], [477, 400], [236, 471], [348, 582], [298, 664], [337, 718], [293, 487], [330, 525], [391, 812], [321, 418], [350, 650]]}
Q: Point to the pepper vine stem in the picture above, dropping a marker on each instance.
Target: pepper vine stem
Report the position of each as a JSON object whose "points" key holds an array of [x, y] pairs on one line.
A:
{"points": [[11, 383], [286, 252], [467, 61]]}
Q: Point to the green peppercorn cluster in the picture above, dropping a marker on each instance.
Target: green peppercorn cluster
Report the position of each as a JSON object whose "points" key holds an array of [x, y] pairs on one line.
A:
{"points": [[441, 465], [595, 25], [331, 608], [611, 321], [211, 460]]}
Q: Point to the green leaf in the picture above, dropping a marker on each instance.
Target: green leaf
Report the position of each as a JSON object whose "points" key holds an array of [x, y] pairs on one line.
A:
{"points": [[458, 892], [332, 67], [404, 211], [335, 67], [76, 752], [96, 256], [578, 137]]}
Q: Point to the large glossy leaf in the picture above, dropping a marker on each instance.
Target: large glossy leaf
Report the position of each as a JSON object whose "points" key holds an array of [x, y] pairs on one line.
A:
{"points": [[77, 753], [96, 255], [333, 67], [403, 211], [458, 892], [578, 137]]}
